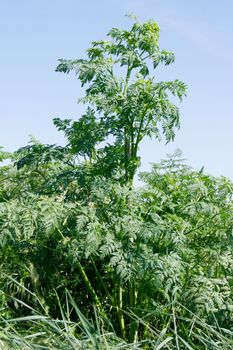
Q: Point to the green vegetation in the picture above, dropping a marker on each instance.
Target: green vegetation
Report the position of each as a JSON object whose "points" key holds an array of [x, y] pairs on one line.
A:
{"points": [[88, 261]]}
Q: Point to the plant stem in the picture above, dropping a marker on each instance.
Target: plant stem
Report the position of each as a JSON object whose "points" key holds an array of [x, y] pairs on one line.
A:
{"points": [[126, 128], [133, 331], [119, 311], [89, 287]]}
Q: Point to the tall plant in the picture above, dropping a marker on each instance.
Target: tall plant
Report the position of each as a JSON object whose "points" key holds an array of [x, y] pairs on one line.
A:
{"points": [[140, 254], [125, 102]]}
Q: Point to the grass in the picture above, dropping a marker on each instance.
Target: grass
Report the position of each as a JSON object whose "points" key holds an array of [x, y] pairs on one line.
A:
{"points": [[39, 332]]}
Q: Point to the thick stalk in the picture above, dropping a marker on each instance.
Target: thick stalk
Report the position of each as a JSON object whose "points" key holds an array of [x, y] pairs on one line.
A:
{"points": [[101, 283], [133, 330], [141, 127], [119, 306], [89, 287]]}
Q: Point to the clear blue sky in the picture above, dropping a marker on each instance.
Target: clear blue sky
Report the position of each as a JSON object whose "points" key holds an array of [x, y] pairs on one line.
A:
{"points": [[34, 34]]}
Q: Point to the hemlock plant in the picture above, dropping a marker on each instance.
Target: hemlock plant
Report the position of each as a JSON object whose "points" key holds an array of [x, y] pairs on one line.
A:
{"points": [[155, 262]]}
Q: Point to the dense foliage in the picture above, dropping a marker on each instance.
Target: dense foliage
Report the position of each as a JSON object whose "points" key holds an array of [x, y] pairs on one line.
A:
{"points": [[151, 266]]}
